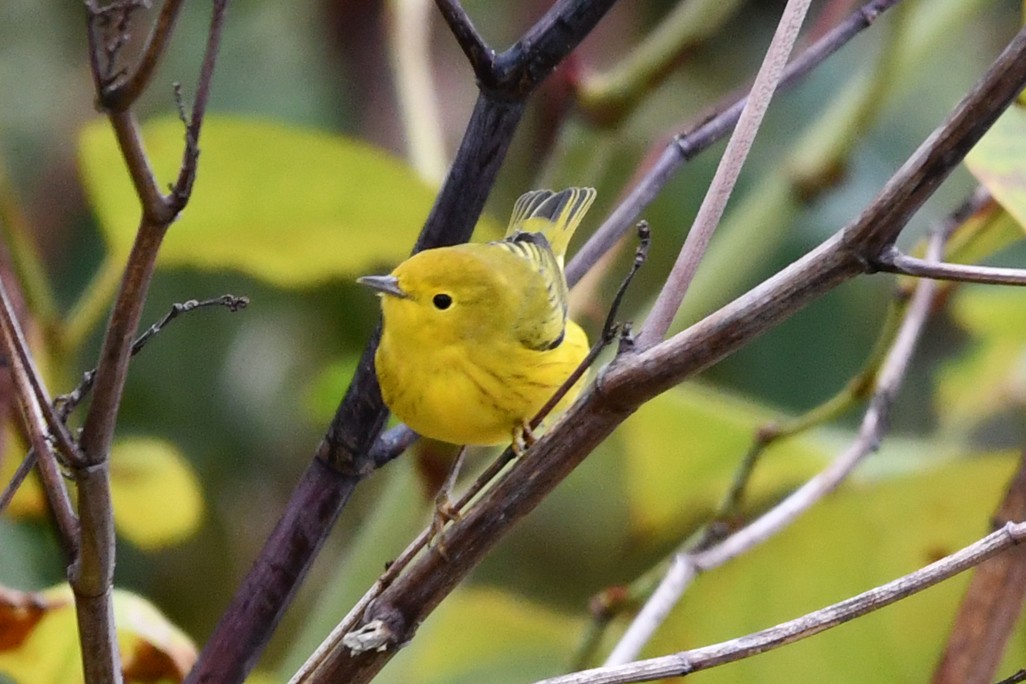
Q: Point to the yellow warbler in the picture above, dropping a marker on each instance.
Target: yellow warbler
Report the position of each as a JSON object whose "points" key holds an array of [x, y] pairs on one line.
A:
{"points": [[475, 337]]}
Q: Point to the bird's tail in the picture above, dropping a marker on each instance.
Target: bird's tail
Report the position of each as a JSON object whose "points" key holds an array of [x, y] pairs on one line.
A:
{"points": [[555, 215]]}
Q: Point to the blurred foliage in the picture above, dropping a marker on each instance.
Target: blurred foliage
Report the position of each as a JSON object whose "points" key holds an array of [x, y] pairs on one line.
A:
{"points": [[302, 185], [299, 208]]}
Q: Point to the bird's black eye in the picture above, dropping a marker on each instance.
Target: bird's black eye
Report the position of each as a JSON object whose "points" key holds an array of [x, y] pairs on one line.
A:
{"points": [[442, 301]]}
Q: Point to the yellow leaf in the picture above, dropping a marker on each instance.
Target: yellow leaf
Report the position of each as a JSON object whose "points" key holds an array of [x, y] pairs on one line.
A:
{"points": [[39, 639], [157, 498]]}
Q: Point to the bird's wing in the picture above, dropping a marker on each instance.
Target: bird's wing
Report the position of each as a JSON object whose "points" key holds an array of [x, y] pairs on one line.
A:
{"points": [[539, 231], [555, 215], [542, 286]]}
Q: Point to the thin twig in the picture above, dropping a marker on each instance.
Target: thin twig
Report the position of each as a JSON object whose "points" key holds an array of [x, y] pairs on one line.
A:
{"points": [[480, 56], [22, 472], [689, 144], [31, 398], [609, 327], [66, 403], [686, 566], [715, 202], [182, 189], [1019, 676], [687, 662], [123, 93], [896, 262]]}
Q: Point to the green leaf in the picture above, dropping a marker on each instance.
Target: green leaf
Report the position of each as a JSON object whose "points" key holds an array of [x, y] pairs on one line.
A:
{"points": [[865, 535], [290, 206], [157, 497], [999, 162], [683, 448]]}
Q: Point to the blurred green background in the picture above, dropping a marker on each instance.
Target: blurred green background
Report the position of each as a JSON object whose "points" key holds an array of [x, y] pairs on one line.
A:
{"points": [[245, 397]]}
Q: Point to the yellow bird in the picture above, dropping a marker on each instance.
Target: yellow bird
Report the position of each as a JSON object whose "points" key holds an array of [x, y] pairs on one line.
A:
{"points": [[475, 337]]}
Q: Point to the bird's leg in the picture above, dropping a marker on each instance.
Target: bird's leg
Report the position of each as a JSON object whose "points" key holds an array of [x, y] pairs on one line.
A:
{"points": [[445, 512], [523, 438]]}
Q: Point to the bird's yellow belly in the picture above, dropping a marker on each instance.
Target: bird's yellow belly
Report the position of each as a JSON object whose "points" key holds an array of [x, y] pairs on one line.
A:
{"points": [[449, 396]]}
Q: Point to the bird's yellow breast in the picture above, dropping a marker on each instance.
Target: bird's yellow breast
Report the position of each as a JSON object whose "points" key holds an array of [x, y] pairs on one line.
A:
{"points": [[472, 394]]}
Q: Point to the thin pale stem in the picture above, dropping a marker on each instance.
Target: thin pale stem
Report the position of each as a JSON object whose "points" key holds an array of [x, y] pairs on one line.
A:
{"points": [[409, 30], [715, 202]]}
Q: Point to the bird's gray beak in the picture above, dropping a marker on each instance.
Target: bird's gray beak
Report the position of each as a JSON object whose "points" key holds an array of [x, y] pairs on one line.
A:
{"points": [[383, 283]]}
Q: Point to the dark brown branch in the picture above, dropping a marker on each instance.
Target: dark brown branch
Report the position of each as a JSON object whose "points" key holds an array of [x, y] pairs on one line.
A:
{"points": [[129, 137], [91, 575], [28, 390], [687, 145]]}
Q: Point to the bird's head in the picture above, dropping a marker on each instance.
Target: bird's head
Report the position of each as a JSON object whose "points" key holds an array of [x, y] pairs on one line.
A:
{"points": [[447, 295]]}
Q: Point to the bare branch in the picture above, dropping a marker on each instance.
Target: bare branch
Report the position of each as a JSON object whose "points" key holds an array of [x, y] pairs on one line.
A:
{"points": [[11, 488], [715, 202], [1019, 676], [687, 662], [842, 256], [126, 129], [66, 403], [894, 261]]}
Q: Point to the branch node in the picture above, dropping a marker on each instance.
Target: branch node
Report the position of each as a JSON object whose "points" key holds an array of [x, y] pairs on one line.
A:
{"points": [[379, 633]]}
